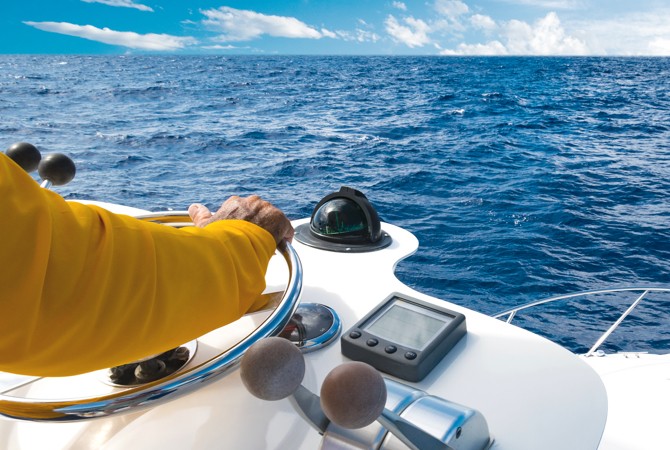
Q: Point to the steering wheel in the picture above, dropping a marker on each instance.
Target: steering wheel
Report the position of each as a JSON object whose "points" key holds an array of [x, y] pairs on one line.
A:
{"points": [[176, 384]]}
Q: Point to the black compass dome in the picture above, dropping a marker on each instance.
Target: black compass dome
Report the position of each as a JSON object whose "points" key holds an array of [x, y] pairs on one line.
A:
{"points": [[344, 221]]}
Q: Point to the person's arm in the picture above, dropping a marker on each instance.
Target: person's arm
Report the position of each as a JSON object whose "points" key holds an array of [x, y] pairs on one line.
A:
{"points": [[84, 289]]}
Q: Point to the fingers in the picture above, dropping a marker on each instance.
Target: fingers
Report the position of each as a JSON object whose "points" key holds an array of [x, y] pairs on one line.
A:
{"points": [[273, 220], [289, 233], [252, 209], [200, 214], [284, 229]]}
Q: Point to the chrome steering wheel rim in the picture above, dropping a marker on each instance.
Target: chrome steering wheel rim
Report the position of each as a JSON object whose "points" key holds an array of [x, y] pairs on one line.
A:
{"points": [[177, 384]]}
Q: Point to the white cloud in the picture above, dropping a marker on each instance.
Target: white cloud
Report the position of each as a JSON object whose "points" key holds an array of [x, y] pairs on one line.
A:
{"points": [[451, 9], [629, 34], [413, 34], [219, 47], [659, 47], [243, 25], [482, 22], [450, 16], [632, 34], [151, 41], [492, 48], [358, 35], [551, 4], [400, 5], [122, 3], [327, 33], [366, 36], [545, 37]]}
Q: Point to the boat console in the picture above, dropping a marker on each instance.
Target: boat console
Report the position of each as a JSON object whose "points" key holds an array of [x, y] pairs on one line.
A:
{"points": [[492, 379]]}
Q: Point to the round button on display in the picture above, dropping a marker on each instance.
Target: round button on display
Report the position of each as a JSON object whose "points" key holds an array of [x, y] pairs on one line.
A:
{"points": [[390, 349], [410, 355], [355, 334], [372, 342]]}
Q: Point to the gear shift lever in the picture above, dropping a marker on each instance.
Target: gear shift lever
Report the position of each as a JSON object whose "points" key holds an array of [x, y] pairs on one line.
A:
{"points": [[353, 394], [272, 369]]}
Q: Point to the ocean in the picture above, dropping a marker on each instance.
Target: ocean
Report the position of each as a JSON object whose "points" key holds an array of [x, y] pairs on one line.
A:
{"points": [[522, 178]]}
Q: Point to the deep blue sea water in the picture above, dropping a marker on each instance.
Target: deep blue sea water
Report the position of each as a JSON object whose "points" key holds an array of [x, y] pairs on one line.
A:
{"points": [[522, 177]]}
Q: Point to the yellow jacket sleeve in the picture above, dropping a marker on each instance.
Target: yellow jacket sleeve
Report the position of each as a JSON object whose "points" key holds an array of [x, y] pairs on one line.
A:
{"points": [[83, 289]]}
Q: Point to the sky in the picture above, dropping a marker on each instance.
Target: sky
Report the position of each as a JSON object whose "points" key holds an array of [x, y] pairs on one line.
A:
{"points": [[333, 27]]}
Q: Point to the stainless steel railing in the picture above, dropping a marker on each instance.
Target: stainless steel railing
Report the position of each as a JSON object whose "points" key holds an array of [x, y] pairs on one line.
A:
{"points": [[511, 313]]}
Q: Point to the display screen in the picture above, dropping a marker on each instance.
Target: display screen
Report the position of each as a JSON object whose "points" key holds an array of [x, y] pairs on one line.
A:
{"points": [[408, 325]]}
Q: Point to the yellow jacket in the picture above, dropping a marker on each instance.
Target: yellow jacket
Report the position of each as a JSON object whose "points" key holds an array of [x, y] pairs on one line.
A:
{"points": [[83, 289]]}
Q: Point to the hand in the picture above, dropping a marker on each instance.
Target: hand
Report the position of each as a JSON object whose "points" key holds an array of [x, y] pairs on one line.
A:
{"points": [[252, 209]]}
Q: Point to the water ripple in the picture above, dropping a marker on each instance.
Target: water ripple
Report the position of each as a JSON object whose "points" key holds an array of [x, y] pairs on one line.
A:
{"points": [[521, 177]]}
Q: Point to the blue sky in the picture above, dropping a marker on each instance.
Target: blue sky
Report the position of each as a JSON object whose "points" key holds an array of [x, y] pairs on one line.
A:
{"points": [[410, 27]]}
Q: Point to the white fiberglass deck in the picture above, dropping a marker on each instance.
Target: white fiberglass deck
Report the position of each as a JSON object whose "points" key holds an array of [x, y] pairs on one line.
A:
{"points": [[533, 393]]}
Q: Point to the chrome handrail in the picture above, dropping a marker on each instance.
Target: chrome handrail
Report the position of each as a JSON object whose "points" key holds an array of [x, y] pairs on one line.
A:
{"points": [[173, 386], [511, 313]]}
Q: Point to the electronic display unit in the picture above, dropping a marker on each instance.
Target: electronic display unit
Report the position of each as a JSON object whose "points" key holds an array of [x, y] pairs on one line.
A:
{"points": [[404, 337]]}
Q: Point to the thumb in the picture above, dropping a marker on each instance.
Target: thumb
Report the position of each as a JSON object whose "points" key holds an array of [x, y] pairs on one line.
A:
{"points": [[200, 214]]}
